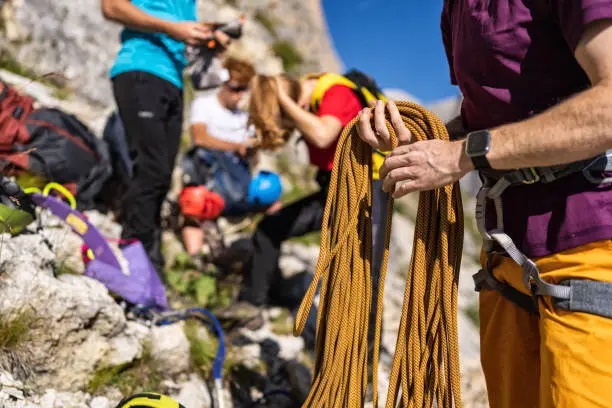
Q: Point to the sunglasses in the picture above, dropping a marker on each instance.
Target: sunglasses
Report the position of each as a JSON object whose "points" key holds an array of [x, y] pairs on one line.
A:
{"points": [[236, 88]]}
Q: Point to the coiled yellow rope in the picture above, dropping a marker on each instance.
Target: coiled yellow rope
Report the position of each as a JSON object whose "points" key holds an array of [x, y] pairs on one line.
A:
{"points": [[426, 362]]}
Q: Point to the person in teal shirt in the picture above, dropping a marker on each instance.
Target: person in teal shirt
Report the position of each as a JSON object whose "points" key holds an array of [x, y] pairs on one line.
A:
{"points": [[147, 79]]}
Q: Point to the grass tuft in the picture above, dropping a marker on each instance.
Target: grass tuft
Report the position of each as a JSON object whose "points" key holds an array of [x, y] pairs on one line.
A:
{"points": [[140, 375], [203, 350], [15, 330]]}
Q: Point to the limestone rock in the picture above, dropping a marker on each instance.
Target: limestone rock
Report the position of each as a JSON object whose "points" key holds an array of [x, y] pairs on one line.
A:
{"points": [[74, 319], [100, 402], [194, 393], [129, 346], [248, 355], [170, 349], [55, 399], [290, 265]]}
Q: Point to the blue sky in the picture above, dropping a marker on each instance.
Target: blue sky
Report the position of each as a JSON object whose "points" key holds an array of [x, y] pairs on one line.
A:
{"points": [[398, 42]]}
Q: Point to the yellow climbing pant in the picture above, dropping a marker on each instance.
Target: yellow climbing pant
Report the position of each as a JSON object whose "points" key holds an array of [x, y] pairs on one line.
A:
{"points": [[425, 367], [561, 360]]}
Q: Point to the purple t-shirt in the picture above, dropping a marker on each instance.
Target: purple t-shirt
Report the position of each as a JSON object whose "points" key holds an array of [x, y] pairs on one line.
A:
{"points": [[513, 59]]}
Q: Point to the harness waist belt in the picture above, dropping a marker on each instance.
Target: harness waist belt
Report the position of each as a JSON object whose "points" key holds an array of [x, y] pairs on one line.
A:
{"points": [[587, 296], [574, 295]]}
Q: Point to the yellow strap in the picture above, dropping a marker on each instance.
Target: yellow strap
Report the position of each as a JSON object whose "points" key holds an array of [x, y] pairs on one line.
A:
{"points": [[325, 82], [32, 190], [61, 189], [426, 363]]}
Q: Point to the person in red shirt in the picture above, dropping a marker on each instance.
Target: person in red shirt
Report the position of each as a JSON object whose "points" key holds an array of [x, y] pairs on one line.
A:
{"points": [[278, 106]]}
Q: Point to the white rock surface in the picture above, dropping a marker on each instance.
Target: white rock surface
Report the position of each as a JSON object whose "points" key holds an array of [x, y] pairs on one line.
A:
{"points": [[170, 349], [100, 402], [125, 349], [248, 355], [55, 399], [194, 393], [76, 321]]}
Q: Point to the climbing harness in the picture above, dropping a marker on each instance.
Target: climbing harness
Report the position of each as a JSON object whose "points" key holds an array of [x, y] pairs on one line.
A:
{"points": [[425, 368], [574, 294]]}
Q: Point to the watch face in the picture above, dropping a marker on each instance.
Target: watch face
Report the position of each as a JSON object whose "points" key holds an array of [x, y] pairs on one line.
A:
{"points": [[478, 143]]}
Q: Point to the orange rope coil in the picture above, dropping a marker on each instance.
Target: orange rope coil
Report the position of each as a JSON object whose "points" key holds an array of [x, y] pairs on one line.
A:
{"points": [[426, 362]]}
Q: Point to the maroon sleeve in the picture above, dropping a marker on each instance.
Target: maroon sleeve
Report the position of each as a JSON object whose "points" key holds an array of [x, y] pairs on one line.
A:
{"points": [[445, 25], [575, 15], [341, 102]]}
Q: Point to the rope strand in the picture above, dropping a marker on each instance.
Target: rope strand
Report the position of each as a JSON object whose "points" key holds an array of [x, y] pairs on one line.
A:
{"points": [[425, 367]]}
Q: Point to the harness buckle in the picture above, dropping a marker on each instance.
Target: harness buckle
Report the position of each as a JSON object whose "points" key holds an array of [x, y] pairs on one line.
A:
{"points": [[530, 175], [531, 273]]}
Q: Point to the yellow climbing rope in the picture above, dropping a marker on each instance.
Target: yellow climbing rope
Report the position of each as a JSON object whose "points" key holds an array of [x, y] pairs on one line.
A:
{"points": [[426, 362]]}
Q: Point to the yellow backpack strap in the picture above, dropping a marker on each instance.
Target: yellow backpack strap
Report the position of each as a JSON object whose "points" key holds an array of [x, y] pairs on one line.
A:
{"points": [[325, 82]]}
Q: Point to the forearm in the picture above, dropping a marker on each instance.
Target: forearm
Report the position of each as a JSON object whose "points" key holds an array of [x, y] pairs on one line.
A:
{"points": [[310, 125], [576, 129], [125, 13]]}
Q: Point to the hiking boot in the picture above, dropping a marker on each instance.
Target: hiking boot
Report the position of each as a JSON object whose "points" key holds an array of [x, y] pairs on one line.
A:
{"points": [[242, 314]]}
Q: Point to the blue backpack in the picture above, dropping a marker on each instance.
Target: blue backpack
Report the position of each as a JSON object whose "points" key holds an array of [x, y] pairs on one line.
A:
{"points": [[225, 173]]}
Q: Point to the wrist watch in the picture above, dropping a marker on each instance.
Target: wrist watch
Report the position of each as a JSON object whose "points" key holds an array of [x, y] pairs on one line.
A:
{"points": [[477, 146]]}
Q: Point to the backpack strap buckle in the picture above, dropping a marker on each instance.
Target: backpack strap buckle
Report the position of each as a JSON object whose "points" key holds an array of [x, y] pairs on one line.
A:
{"points": [[530, 175]]}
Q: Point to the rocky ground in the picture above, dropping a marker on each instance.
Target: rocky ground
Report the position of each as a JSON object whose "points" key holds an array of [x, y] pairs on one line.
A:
{"points": [[64, 342]]}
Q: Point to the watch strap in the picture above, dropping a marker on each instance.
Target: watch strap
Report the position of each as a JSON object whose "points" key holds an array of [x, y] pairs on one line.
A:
{"points": [[481, 162]]}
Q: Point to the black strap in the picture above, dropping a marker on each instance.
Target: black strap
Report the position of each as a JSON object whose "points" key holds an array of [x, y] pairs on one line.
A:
{"points": [[484, 279]]}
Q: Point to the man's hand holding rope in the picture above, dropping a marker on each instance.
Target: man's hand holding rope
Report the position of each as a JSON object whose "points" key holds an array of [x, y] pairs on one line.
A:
{"points": [[418, 166]]}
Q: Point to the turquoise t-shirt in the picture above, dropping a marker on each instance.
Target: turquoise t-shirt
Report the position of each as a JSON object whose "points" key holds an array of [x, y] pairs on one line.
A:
{"points": [[156, 53]]}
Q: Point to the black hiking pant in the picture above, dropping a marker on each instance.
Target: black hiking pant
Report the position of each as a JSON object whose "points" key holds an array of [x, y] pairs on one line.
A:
{"points": [[151, 110], [262, 273]]}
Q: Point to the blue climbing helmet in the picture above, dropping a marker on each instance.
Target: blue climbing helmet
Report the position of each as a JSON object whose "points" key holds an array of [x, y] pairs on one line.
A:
{"points": [[265, 189]]}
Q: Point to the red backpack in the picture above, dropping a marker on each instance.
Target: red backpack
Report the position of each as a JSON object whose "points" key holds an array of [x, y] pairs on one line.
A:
{"points": [[50, 143], [14, 108]]}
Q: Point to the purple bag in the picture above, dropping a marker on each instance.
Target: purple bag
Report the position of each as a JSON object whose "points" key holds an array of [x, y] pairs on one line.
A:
{"points": [[140, 286]]}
